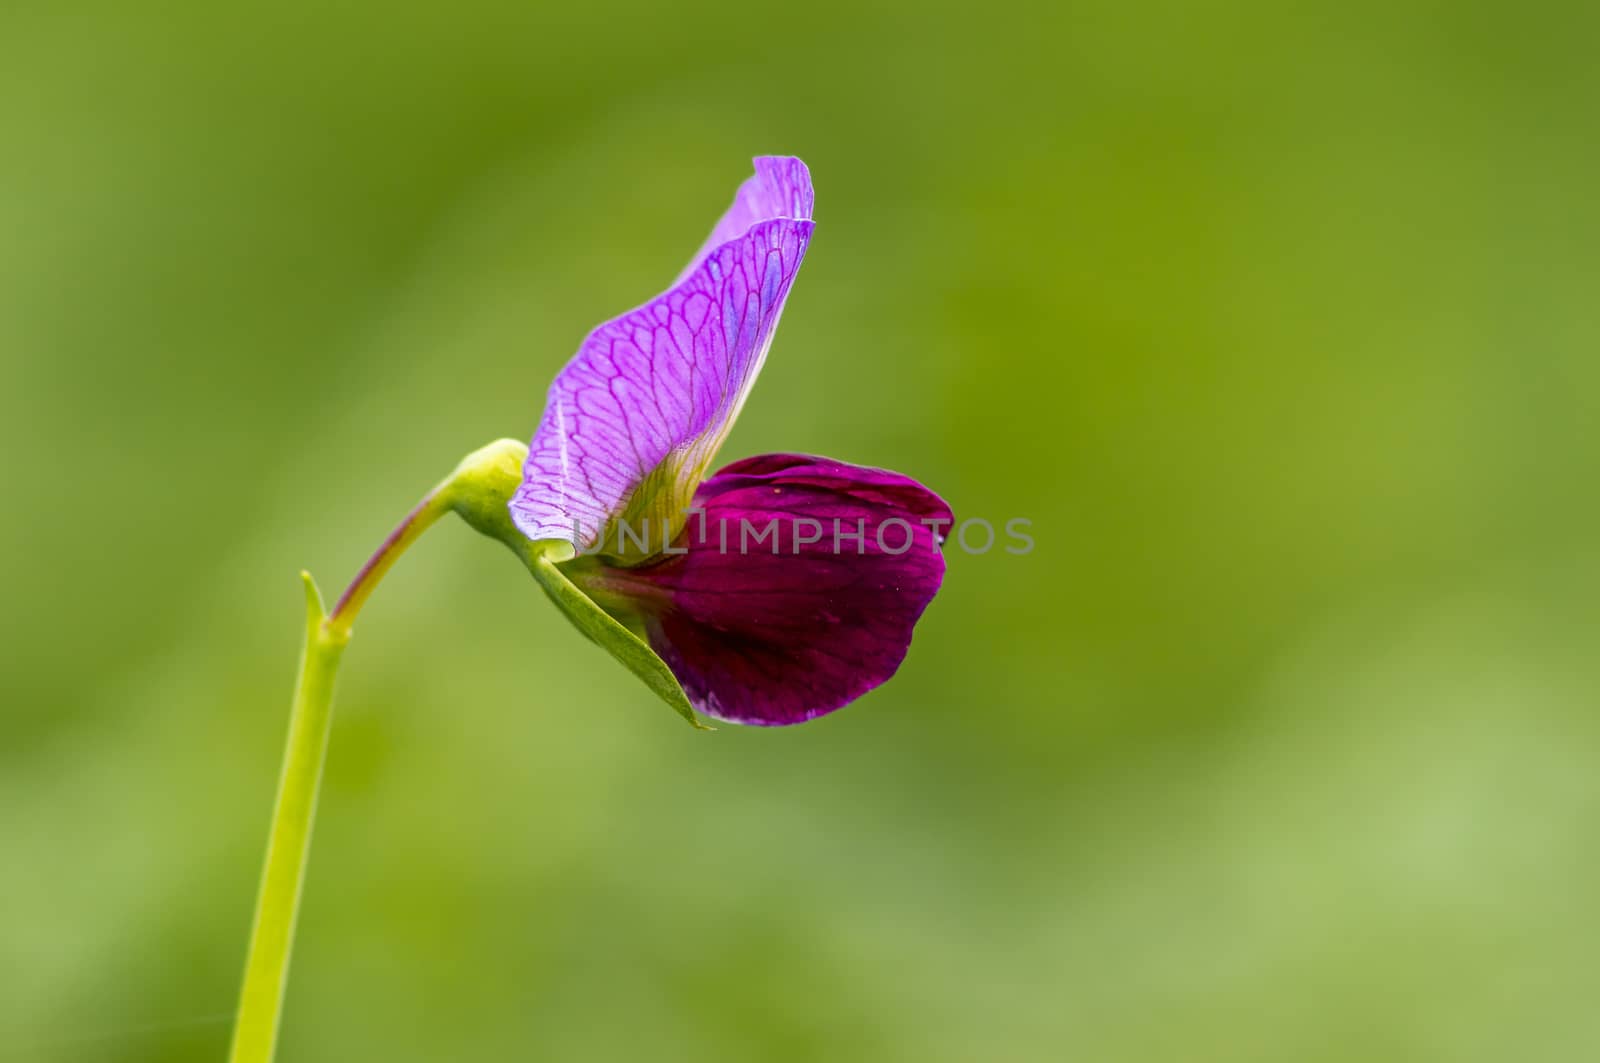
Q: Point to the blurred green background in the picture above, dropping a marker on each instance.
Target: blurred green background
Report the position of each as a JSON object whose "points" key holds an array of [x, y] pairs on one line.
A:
{"points": [[1278, 321]]}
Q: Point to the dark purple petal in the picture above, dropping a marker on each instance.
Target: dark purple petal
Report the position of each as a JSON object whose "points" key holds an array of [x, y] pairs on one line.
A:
{"points": [[637, 415], [783, 627]]}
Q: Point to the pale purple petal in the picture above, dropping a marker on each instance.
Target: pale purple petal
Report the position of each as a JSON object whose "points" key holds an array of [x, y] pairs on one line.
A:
{"points": [[637, 415], [780, 188]]}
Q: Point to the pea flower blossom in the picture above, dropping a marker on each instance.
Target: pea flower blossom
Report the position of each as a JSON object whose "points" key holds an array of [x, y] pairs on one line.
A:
{"points": [[772, 592], [783, 586]]}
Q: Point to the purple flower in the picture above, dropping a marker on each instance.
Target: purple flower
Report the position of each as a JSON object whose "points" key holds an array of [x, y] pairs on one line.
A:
{"points": [[782, 587]]}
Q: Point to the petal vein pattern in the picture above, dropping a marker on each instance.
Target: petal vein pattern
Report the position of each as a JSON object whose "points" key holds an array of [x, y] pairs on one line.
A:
{"points": [[634, 420]]}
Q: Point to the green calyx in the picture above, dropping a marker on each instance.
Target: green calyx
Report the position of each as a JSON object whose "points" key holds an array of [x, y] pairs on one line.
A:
{"points": [[480, 491]]}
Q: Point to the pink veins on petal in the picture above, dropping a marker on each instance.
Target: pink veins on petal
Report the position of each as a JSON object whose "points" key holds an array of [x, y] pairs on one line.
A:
{"points": [[635, 418], [812, 617]]}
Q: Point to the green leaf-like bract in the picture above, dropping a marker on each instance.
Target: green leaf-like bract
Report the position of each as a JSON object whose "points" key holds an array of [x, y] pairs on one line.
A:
{"points": [[606, 632], [479, 491]]}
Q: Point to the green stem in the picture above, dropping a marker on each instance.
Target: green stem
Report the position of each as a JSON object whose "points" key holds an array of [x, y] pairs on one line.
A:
{"points": [[478, 491], [255, 1032], [261, 1002]]}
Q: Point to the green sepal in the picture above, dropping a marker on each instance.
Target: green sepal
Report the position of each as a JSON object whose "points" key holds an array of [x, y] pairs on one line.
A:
{"points": [[602, 629], [479, 492]]}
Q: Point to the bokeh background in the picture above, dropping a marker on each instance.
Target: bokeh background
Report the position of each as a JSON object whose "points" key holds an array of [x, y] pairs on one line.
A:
{"points": [[1278, 321]]}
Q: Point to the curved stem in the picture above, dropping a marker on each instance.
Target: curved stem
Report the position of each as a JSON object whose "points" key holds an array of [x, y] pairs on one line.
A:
{"points": [[434, 505], [294, 811], [478, 490]]}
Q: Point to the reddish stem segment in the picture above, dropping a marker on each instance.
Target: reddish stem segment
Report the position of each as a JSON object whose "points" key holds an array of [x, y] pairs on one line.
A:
{"points": [[433, 505]]}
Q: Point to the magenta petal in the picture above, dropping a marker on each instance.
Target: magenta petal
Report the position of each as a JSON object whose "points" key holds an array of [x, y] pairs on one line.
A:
{"points": [[637, 415], [763, 637]]}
